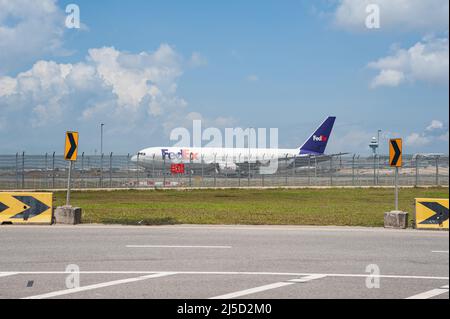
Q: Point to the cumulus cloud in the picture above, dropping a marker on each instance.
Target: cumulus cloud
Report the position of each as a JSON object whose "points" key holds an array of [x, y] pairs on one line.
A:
{"points": [[417, 140], [416, 15], [427, 60], [197, 60], [121, 86], [133, 93], [29, 30], [435, 125], [436, 131], [252, 78]]}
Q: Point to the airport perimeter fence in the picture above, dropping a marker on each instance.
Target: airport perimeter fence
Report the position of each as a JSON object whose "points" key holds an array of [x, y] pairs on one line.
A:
{"points": [[49, 171]]}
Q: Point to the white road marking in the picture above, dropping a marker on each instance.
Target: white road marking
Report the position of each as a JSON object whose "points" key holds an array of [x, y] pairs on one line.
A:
{"points": [[177, 246], [267, 287], [308, 278], [440, 251], [421, 233], [96, 286], [430, 294], [253, 290], [6, 274], [291, 274]]}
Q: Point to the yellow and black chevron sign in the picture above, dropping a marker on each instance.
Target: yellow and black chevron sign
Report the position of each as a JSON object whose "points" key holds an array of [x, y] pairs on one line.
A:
{"points": [[71, 146], [431, 213], [26, 208]]}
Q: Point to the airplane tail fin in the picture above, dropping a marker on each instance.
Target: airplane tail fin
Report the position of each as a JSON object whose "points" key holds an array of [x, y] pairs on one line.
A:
{"points": [[317, 142]]}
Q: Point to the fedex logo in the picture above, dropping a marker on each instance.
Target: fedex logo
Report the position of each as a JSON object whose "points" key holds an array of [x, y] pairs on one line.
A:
{"points": [[321, 138], [183, 154]]}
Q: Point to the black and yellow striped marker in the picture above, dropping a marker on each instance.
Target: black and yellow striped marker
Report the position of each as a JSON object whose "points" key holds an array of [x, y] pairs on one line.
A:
{"points": [[71, 148]]}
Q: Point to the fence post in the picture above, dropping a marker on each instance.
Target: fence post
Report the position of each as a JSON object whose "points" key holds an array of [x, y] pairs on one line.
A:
{"points": [[137, 169], [164, 171], [128, 168], [45, 170], [101, 170], [287, 171], [190, 168], [437, 170], [53, 171], [23, 170], [248, 177], [315, 167], [294, 165], [239, 171], [331, 170], [226, 170], [416, 183], [309, 169], [17, 170], [374, 169], [215, 169], [153, 167], [203, 173], [378, 170], [110, 169], [82, 171], [353, 169]]}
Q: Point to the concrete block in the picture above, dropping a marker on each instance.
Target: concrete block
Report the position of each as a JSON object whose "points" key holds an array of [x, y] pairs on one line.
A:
{"points": [[68, 215], [396, 219]]}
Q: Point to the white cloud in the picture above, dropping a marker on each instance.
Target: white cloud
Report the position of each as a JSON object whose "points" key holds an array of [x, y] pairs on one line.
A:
{"points": [[435, 132], [197, 60], [388, 78], [417, 140], [418, 15], [134, 94], [427, 60], [252, 78], [123, 87], [29, 30], [435, 125]]}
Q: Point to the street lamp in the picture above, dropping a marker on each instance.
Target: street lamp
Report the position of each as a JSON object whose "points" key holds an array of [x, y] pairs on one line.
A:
{"points": [[374, 145], [101, 138]]}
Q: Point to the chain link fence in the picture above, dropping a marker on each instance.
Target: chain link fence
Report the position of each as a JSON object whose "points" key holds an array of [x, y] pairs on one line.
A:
{"points": [[49, 171]]}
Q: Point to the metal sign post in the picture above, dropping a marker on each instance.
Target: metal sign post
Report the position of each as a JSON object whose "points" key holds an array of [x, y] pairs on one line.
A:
{"points": [[396, 188], [396, 160], [69, 178]]}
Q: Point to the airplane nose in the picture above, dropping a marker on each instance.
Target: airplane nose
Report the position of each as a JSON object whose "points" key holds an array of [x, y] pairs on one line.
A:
{"points": [[134, 158]]}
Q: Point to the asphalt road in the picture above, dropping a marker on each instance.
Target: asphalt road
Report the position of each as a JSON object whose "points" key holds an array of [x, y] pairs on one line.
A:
{"points": [[221, 262]]}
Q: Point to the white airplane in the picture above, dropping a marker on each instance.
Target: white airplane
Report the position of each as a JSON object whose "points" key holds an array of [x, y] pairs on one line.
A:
{"points": [[231, 160]]}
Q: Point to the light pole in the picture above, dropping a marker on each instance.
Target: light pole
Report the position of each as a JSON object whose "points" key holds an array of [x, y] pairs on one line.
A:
{"points": [[101, 138], [374, 144], [378, 158]]}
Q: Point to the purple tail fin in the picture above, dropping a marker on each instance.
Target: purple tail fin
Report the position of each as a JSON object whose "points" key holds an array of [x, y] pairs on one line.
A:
{"points": [[315, 145]]}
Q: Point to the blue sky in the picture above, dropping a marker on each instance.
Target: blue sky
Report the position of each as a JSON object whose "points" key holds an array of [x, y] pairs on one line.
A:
{"points": [[284, 64]]}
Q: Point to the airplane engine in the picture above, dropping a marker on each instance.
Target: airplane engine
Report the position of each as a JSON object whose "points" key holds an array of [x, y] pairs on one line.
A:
{"points": [[227, 168]]}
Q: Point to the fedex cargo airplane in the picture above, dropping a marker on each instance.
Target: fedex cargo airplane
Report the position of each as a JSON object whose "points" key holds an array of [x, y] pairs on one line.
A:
{"points": [[229, 160]]}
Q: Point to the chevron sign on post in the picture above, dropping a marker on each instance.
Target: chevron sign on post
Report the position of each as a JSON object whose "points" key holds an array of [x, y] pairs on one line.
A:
{"points": [[70, 154], [396, 160], [71, 149], [26, 208]]}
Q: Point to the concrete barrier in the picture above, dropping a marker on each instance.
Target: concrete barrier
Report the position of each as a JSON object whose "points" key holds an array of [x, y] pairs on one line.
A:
{"points": [[396, 219], [67, 215]]}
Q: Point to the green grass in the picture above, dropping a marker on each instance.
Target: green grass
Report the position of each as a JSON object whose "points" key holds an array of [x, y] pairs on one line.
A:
{"points": [[346, 207]]}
